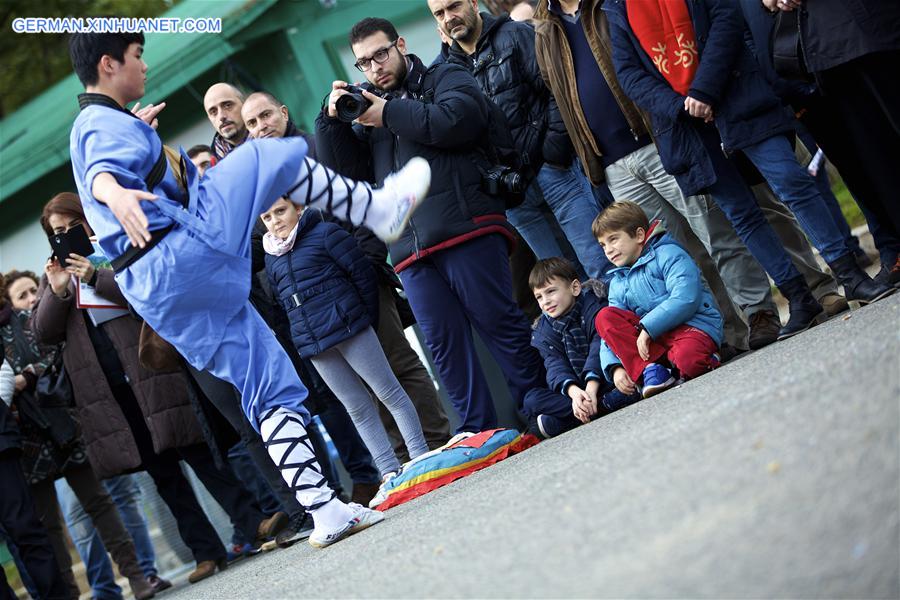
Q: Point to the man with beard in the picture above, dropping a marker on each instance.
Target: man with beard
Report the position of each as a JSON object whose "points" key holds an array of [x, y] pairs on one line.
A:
{"points": [[222, 104], [452, 257]]}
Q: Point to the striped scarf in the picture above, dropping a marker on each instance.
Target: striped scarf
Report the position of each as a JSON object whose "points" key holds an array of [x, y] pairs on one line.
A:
{"points": [[575, 341]]}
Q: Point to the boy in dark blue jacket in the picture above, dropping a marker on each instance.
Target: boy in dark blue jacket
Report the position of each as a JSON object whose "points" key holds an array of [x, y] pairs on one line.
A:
{"points": [[570, 347]]}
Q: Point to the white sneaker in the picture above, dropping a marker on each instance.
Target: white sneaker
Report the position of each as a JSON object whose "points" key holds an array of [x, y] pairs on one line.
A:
{"points": [[363, 518], [382, 494], [401, 194]]}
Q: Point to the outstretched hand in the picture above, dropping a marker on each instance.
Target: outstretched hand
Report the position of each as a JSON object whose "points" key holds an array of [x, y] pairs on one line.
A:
{"points": [[148, 113]]}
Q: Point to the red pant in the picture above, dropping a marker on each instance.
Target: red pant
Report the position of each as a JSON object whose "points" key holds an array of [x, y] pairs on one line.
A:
{"points": [[686, 348]]}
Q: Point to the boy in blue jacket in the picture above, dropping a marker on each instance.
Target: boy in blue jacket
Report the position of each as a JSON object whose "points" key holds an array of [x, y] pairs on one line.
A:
{"points": [[568, 342], [661, 316]]}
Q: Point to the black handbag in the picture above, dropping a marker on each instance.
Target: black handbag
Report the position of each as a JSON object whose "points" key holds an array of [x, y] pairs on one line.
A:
{"points": [[54, 396], [787, 49]]}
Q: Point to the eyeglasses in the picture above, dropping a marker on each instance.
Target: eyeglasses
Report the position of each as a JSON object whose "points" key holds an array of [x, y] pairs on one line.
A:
{"points": [[364, 64]]}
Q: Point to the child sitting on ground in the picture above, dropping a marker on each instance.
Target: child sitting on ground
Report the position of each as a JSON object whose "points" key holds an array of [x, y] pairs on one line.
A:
{"points": [[661, 316], [329, 290], [569, 344]]}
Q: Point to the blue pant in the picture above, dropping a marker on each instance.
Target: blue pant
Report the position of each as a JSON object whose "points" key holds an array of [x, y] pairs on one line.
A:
{"points": [[246, 470], [775, 159], [465, 287], [27, 581], [571, 197], [731, 192], [126, 496], [543, 401]]}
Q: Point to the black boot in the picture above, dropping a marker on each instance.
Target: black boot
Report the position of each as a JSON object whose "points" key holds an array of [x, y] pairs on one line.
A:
{"points": [[858, 287], [889, 274], [804, 310]]}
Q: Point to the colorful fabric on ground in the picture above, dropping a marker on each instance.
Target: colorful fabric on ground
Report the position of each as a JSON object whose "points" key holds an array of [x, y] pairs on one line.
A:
{"points": [[461, 456]]}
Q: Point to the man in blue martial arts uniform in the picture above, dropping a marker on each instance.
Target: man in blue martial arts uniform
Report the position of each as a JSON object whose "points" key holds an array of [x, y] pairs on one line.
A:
{"points": [[182, 259]]}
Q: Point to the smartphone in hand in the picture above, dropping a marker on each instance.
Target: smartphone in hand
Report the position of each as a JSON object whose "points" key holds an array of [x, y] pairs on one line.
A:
{"points": [[74, 241]]}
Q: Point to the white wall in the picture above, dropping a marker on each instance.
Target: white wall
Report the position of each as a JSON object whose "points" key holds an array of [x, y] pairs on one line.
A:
{"points": [[26, 248]]}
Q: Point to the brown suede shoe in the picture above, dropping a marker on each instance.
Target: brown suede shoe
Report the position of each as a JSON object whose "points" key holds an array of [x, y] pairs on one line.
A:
{"points": [[364, 492], [270, 527], [764, 327], [834, 304], [207, 568]]}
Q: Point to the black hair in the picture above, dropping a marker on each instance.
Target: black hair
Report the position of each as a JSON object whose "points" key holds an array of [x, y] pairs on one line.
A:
{"points": [[370, 26], [199, 149], [86, 50]]}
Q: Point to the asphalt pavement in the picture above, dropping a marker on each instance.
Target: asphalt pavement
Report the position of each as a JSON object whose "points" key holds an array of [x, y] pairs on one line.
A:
{"points": [[777, 475]]}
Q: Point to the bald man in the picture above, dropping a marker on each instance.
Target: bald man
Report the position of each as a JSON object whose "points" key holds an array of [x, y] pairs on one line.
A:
{"points": [[222, 104]]}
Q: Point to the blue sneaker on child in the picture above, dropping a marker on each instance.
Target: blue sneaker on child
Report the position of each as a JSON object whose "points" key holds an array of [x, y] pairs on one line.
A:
{"points": [[613, 400], [657, 379]]}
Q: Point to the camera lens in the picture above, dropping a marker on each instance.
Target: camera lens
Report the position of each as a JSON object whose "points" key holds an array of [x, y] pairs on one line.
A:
{"points": [[514, 182], [350, 106]]}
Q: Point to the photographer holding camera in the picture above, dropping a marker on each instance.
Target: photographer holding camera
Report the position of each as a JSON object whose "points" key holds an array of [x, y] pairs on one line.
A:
{"points": [[452, 257]]}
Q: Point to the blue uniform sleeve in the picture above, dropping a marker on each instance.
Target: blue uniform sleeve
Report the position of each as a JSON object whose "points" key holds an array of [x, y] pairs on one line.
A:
{"points": [[684, 289], [123, 151]]}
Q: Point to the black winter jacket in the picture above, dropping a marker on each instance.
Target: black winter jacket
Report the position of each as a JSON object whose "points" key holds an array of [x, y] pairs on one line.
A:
{"points": [[834, 32], [443, 119], [10, 439], [505, 66]]}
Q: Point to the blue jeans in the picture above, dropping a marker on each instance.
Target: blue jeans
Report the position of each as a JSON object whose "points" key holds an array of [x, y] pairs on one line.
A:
{"points": [[572, 199], [731, 192], [775, 159], [27, 581], [245, 468], [248, 473], [126, 496]]}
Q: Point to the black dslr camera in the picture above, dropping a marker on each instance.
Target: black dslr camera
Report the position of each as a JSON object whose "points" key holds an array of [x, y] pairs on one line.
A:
{"points": [[352, 104], [505, 182]]}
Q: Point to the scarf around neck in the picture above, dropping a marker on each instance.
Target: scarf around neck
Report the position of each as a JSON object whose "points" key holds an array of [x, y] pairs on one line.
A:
{"points": [[576, 343], [276, 246], [666, 33]]}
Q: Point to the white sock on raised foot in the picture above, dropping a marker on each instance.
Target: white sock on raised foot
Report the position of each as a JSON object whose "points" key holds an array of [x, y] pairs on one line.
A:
{"points": [[319, 187], [394, 203], [385, 210], [332, 516]]}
